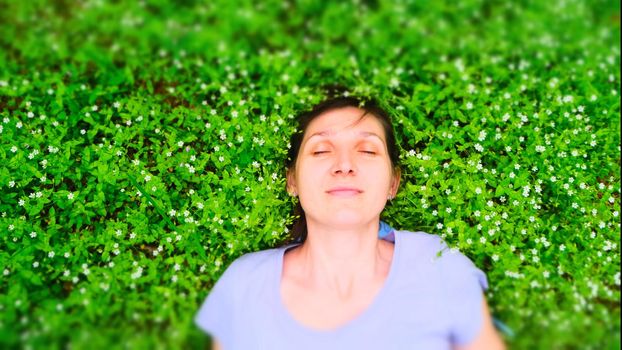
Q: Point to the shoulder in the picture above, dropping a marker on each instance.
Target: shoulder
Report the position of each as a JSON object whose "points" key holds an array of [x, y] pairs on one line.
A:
{"points": [[246, 272], [430, 251], [234, 292], [422, 244], [249, 264]]}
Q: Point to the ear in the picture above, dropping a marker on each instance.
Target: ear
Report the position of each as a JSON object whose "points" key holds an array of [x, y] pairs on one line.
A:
{"points": [[290, 177], [395, 182]]}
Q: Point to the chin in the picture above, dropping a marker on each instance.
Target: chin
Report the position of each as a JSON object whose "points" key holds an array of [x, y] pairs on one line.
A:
{"points": [[348, 219]]}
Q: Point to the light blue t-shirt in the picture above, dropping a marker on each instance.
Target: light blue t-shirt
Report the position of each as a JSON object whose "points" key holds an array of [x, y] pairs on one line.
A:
{"points": [[431, 299]]}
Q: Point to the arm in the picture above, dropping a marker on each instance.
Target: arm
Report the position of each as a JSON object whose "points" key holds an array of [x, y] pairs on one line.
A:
{"points": [[488, 338], [215, 345]]}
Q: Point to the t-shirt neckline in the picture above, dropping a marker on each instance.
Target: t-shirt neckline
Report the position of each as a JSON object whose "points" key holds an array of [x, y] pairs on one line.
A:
{"points": [[295, 325]]}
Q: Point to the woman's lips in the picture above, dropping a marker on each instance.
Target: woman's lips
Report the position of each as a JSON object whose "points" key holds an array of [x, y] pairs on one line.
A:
{"points": [[344, 192]]}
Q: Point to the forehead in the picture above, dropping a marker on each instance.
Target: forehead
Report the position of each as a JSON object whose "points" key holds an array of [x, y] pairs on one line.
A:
{"points": [[337, 121]]}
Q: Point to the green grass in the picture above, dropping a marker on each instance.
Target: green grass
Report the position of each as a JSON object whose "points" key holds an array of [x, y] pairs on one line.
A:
{"points": [[142, 149]]}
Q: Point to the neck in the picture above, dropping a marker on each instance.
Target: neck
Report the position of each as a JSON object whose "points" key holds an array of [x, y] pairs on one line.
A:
{"points": [[342, 261]]}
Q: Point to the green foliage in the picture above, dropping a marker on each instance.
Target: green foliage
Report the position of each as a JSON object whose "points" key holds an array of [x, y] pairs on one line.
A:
{"points": [[142, 147]]}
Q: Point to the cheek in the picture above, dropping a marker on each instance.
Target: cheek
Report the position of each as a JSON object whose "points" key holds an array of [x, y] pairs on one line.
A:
{"points": [[308, 176], [379, 174]]}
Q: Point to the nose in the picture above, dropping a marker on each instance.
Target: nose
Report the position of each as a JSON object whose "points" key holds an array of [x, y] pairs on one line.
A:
{"points": [[344, 164]]}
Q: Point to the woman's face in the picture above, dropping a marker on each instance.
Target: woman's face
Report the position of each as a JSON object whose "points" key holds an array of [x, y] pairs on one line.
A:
{"points": [[343, 173]]}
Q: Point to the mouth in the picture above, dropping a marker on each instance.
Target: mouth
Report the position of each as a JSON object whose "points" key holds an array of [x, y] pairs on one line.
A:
{"points": [[344, 191]]}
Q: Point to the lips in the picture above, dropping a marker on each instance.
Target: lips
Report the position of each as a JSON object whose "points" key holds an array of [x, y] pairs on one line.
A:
{"points": [[344, 191]]}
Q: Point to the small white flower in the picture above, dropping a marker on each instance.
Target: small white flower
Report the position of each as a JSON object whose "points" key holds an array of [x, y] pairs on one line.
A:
{"points": [[70, 196], [482, 135]]}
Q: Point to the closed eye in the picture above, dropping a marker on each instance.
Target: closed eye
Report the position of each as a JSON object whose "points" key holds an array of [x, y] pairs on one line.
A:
{"points": [[316, 153], [368, 152]]}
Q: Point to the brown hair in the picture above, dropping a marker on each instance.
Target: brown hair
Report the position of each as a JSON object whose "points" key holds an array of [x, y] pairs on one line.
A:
{"points": [[298, 233]]}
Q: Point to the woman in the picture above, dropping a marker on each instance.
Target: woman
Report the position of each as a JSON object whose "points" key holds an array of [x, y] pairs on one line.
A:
{"points": [[340, 286]]}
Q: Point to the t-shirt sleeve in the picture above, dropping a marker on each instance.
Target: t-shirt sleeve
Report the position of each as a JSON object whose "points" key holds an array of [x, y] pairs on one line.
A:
{"points": [[464, 285], [215, 316]]}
